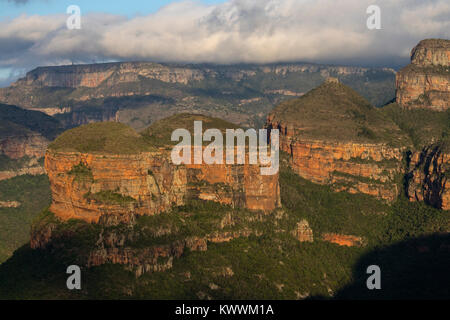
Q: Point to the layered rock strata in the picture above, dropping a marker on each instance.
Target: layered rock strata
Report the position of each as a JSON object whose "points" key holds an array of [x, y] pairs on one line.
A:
{"points": [[425, 83], [86, 186], [429, 177], [19, 146]]}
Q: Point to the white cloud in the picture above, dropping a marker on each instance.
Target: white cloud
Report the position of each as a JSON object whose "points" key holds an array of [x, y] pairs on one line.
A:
{"points": [[235, 31]]}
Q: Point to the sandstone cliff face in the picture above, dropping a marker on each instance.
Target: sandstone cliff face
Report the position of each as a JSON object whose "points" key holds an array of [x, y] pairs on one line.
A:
{"points": [[55, 89], [146, 178], [113, 248], [148, 183], [116, 241], [24, 150], [431, 52], [344, 240], [428, 179], [19, 146], [35, 170], [425, 83], [372, 169], [91, 76], [303, 232]]}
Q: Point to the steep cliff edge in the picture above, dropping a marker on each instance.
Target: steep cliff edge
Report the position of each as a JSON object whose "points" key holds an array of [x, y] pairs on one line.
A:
{"points": [[105, 174], [425, 83], [428, 179], [334, 136], [108, 168]]}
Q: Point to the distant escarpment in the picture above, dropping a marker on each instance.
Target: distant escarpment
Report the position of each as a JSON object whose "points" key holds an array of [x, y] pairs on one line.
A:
{"points": [[334, 136], [425, 83], [140, 93], [24, 137]]}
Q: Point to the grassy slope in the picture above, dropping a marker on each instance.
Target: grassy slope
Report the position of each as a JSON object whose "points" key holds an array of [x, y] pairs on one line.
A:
{"points": [[423, 126], [33, 192], [334, 111], [107, 137], [159, 133], [117, 138], [17, 121], [273, 266]]}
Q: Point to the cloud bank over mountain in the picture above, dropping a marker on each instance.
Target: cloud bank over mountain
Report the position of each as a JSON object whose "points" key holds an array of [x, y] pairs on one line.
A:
{"points": [[327, 31]]}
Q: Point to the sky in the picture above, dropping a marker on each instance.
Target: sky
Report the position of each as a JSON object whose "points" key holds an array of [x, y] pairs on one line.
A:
{"points": [[130, 8], [34, 32]]}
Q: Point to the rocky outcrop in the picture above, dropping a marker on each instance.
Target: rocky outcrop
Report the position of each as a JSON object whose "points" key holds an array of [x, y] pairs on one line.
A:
{"points": [[61, 90], [324, 134], [431, 52], [9, 204], [303, 232], [19, 146], [33, 171], [425, 83], [344, 240], [93, 75], [113, 248], [86, 186], [356, 168], [138, 243], [132, 204], [428, 179]]}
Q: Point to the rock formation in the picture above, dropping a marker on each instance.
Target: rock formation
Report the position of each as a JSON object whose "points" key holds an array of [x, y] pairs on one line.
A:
{"points": [[333, 136], [343, 240], [425, 83], [139, 93], [429, 179], [9, 204], [24, 137], [87, 185], [27, 144], [107, 175], [303, 232]]}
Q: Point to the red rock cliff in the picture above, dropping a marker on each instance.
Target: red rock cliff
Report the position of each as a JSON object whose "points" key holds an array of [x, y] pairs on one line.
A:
{"points": [[425, 83], [325, 135], [429, 177], [353, 167], [148, 183]]}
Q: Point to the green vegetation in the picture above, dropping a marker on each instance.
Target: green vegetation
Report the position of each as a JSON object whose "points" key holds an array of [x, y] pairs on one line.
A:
{"points": [[423, 126], [14, 120], [159, 133], [269, 264], [334, 111], [219, 94], [8, 164], [110, 197], [103, 137], [33, 194], [81, 172]]}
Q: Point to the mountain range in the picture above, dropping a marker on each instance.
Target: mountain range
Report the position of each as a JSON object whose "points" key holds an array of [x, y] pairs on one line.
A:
{"points": [[363, 181]]}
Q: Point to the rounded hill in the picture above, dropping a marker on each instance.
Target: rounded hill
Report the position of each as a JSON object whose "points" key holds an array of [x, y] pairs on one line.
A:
{"points": [[160, 132], [336, 112], [101, 137]]}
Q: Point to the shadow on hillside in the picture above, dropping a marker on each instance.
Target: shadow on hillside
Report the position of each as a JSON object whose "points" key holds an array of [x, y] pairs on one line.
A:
{"points": [[418, 268]]}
